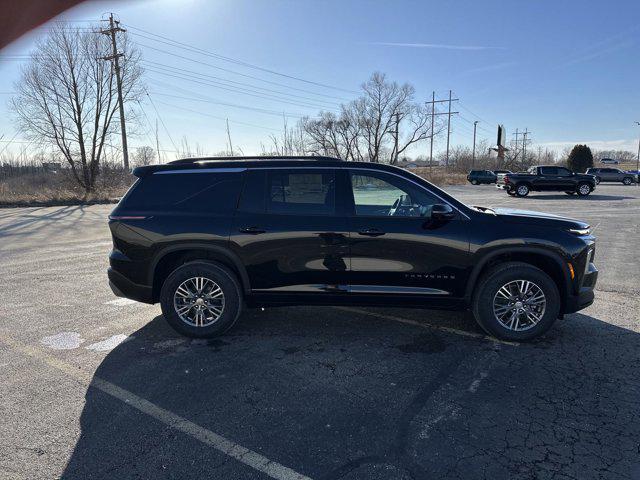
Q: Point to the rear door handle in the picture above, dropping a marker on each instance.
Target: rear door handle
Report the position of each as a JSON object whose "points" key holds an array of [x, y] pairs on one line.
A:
{"points": [[252, 230], [371, 232]]}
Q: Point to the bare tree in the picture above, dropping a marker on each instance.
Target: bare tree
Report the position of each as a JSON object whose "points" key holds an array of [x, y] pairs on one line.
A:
{"points": [[366, 128], [144, 155], [67, 96]]}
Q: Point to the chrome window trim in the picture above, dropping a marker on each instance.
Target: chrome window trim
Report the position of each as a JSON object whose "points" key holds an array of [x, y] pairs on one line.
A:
{"points": [[201, 170]]}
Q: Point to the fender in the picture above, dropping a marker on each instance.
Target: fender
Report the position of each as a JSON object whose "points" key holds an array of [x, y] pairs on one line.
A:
{"points": [[475, 272], [217, 249]]}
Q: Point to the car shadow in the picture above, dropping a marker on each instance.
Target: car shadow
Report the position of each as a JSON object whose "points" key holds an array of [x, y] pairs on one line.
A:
{"points": [[588, 198], [334, 394]]}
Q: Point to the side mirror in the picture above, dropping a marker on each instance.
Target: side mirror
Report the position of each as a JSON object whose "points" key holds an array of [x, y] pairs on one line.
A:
{"points": [[442, 211]]}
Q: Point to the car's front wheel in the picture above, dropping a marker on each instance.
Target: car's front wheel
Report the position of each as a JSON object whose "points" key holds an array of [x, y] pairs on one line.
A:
{"points": [[522, 190], [474, 182], [516, 301], [201, 299], [627, 180], [584, 189]]}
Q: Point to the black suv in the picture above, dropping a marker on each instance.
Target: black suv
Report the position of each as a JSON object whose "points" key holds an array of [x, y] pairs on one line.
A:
{"points": [[205, 237]]}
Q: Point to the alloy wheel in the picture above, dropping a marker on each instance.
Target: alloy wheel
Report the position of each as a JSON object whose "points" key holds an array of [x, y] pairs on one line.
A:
{"points": [[198, 301], [584, 189], [519, 305]]}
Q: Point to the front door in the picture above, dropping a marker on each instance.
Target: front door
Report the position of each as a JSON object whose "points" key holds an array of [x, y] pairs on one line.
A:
{"points": [[396, 247], [289, 232]]}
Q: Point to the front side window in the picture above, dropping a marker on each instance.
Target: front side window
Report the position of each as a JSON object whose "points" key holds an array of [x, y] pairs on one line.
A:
{"points": [[302, 192], [380, 194]]}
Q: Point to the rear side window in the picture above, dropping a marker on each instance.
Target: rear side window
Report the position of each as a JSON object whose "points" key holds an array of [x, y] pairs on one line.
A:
{"points": [[302, 192], [215, 192], [548, 170]]}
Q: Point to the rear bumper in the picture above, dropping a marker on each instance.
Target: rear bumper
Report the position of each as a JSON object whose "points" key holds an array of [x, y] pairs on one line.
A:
{"points": [[123, 287], [586, 295]]}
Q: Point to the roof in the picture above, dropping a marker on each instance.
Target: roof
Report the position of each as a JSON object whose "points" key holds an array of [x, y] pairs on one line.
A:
{"points": [[207, 163]]}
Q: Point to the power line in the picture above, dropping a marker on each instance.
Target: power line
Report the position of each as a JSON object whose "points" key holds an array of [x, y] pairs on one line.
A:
{"points": [[220, 118], [242, 84], [234, 90], [161, 120], [238, 62], [202, 98]]}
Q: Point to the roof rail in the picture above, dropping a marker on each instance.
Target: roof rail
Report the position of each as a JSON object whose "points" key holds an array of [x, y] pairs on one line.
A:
{"points": [[187, 161]]}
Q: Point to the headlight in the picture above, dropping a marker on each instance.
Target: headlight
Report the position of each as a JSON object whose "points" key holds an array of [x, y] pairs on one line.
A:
{"points": [[581, 231]]}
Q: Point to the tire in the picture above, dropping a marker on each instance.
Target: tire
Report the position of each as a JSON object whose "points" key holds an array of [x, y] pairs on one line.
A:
{"points": [[570, 193], [511, 192], [522, 190], [627, 180], [474, 182], [598, 180], [584, 189], [217, 316], [489, 293]]}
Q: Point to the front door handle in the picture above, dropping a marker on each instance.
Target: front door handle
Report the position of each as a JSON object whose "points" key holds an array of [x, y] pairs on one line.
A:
{"points": [[252, 230], [371, 232]]}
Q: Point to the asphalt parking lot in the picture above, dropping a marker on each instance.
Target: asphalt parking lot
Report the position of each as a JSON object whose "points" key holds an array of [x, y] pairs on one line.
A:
{"points": [[92, 386]]}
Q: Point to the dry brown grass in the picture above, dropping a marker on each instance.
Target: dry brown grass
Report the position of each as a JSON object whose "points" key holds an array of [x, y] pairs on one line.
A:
{"points": [[46, 188], [439, 176]]}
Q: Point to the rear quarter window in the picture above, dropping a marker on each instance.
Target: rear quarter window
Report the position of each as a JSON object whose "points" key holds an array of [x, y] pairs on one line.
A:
{"points": [[186, 192]]}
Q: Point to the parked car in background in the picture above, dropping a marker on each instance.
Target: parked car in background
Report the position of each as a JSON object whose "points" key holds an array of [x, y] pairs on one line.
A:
{"points": [[206, 237], [612, 175], [609, 161], [547, 179], [476, 177]]}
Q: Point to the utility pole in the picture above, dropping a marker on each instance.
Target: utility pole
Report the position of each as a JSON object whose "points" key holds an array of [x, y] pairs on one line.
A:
{"points": [[524, 144], [638, 161], [229, 137], [516, 134], [394, 160], [473, 157], [114, 26], [158, 143], [433, 115], [446, 159]]}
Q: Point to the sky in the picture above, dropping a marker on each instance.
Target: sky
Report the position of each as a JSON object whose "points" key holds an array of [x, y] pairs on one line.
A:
{"points": [[566, 70]]}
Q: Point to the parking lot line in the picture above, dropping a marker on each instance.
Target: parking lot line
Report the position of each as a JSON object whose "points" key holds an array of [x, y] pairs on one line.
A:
{"points": [[227, 447], [429, 326]]}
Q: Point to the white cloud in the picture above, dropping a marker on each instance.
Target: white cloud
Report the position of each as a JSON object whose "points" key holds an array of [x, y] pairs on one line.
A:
{"points": [[435, 46]]}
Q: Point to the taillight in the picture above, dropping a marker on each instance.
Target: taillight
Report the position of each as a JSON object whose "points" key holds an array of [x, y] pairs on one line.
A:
{"points": [[506, 179]]}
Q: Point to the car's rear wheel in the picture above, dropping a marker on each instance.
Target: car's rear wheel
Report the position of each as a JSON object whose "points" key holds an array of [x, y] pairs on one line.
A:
{"points": [[516, 301], [627, 181], [474, 182], [511, 192], [201, 299], [584, 189], [522, 190]]}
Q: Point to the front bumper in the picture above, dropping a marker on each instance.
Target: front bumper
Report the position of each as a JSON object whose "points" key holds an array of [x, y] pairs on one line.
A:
{"points": [[585, 295], [123, 287]]}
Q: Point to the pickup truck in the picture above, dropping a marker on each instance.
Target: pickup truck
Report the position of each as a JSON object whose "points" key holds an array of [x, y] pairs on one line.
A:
{"points": [[547, 179]]}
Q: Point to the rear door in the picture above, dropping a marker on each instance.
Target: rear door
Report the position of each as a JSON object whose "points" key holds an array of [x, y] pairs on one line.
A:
{"points": [[396, 249], [291, 232]]}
